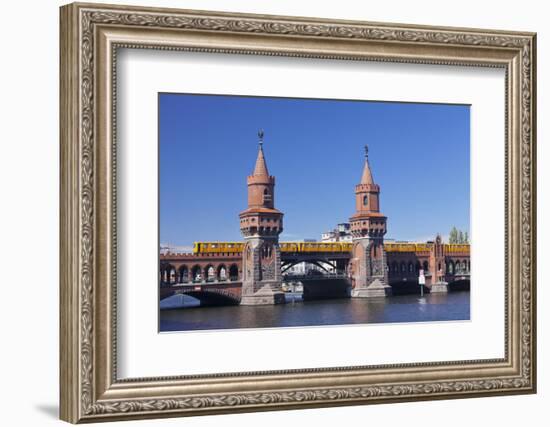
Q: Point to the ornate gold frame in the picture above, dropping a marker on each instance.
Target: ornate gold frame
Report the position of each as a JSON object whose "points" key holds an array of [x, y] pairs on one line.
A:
{"points": [[90, 35]]}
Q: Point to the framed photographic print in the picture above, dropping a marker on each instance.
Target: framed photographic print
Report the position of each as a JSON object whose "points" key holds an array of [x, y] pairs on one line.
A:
{"points": [[266, 212]]}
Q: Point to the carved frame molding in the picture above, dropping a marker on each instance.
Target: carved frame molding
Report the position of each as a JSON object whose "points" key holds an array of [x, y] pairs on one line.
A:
{"points": [[90, 36]]}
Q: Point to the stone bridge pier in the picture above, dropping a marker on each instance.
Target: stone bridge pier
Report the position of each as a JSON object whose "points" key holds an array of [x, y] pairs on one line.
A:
{"points": [[368, 227], [261, 223]]}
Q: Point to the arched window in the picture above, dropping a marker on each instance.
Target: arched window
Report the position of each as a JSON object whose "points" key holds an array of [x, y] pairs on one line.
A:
{"points": [[365, 200], [267, 196]]}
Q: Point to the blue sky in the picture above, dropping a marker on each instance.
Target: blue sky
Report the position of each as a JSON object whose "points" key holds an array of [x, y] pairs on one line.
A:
{"points": [[419, 155]]}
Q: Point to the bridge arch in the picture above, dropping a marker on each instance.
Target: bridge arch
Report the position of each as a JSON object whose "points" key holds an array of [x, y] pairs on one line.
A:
{"points": [[209, 273], [394, 267], [183, 274], [233, 272], [195, 272], [319, 262], [214, 297], [462, 284], [221, 272], [460, 266], [168, 274], [207, 296], [450, 267], [162, 274]]}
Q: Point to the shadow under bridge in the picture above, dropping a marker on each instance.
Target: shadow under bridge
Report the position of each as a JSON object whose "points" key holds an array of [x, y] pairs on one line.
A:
{"points": [[209, 294]]}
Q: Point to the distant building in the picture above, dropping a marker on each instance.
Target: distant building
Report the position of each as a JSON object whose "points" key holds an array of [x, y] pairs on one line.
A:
{"points": [[342, 233], [297, 269], [304, 268], [166, 248]]}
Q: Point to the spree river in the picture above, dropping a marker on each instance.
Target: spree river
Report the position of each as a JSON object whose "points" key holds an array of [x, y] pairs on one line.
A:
{"points": [[345, 311]]}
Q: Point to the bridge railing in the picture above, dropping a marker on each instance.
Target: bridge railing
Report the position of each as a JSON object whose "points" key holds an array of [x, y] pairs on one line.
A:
{"points": [[459, 273], [314, 276], [199, 281]]}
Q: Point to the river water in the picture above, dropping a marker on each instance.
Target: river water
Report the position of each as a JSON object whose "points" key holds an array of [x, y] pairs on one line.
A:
{"points": [[345, 311]]}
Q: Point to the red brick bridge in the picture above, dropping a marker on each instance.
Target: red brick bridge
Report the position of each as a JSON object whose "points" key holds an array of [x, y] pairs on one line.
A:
{"points": [[213, 274], [254, 271]]}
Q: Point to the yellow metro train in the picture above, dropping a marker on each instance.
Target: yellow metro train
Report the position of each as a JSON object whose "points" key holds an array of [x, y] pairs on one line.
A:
{"points": [[320, 247], [288, 247], [452, 248], [217, 247], [407, 247]]}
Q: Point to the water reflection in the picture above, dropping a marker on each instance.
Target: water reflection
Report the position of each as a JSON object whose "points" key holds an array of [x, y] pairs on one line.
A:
{"points": [[405, 308]]}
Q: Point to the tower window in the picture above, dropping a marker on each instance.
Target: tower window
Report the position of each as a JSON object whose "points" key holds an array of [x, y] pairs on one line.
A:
{"points": [[365, 200], [267, 196]]}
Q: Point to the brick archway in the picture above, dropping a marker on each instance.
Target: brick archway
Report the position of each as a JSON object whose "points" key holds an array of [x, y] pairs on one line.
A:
{"points": [[183, 274]]}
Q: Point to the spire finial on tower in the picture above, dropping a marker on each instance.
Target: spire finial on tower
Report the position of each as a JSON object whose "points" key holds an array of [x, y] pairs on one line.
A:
{"points": [[261, 166], [366, 178]]}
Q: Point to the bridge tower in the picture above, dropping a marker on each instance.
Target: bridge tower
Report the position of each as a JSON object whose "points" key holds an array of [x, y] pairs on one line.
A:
{"points": [[368, 270], [437, 267], [261, 225]]}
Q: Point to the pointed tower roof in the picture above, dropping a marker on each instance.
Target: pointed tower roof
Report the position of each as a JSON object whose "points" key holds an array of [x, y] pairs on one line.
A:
{"points": [[261, 167], [366, 178]]}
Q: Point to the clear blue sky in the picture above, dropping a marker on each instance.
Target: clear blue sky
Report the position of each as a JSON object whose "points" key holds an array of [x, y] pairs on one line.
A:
{"points": [[419, 155]]}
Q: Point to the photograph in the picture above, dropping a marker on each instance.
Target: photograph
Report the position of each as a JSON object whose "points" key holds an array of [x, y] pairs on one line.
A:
{"points": [[290, 212]]}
